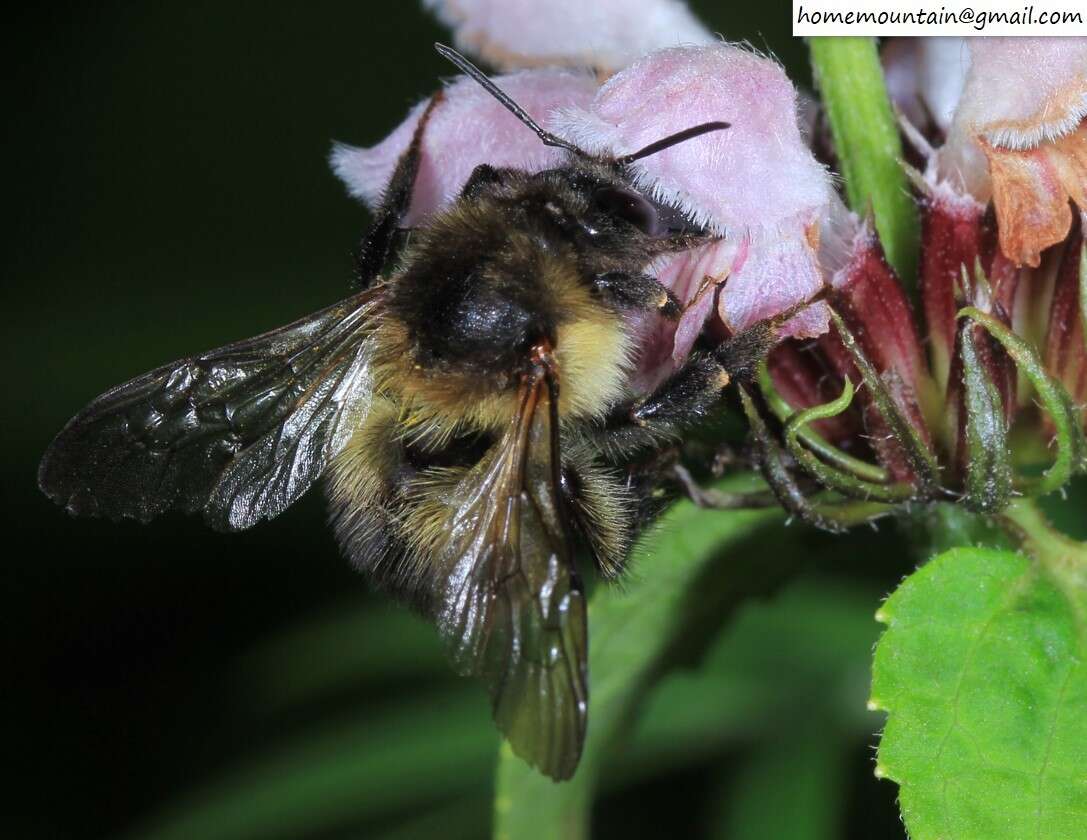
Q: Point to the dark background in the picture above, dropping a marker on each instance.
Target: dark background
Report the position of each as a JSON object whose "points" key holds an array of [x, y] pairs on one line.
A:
{"points": [[167, 191]]}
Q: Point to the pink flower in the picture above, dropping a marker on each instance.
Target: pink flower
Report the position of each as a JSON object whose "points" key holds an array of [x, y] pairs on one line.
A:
{"points": [[606, 35], [757, 183], [1019, 137]]}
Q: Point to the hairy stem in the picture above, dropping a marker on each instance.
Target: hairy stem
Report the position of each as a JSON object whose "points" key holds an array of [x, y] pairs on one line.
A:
{"points": [[850, 79], [1064, 558]]}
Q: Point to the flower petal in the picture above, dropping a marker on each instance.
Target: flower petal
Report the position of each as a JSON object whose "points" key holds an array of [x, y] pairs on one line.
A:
{"points": [[604, 34], [925, 78], [467, 128], [779, 275], [1018, 137], [694, 278], [1021, 92], [756, 183], [758, 173], [1031, 189]]}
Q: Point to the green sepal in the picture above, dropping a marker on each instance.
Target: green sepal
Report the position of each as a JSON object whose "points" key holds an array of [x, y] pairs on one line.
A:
{"points": [[1071, 444], [830, 476], [989, 475], [921, 460], [813, 440], [831, 515]]}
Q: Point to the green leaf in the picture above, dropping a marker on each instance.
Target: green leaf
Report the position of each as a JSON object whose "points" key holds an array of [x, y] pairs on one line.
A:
{"points": [[982, 671], [941, 526], [632, 629], [866, 139]]}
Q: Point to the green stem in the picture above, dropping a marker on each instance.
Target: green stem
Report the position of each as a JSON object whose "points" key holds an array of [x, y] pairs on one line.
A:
{"points": [[1064, 558], [850, 79]]}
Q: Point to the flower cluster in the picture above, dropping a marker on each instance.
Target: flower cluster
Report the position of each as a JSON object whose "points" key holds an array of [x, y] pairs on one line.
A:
{"points": [[881, 395]]}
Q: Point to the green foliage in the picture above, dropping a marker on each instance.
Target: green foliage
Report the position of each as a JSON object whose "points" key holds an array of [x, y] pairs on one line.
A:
{"points": [[422, 767], [789, 792], [983, 671], [438, 746]]}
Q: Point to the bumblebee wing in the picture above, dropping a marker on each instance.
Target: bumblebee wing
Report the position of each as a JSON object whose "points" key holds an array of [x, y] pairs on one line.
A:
{"points": [[511, 605], [240, 432]]}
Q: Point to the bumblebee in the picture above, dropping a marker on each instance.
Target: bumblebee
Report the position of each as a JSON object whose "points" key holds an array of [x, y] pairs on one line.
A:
{"points": [[466, 408]]}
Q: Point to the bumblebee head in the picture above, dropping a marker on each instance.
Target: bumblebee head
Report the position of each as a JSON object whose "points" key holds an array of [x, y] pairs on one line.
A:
{"points": [[613, 225], [593, 200]]}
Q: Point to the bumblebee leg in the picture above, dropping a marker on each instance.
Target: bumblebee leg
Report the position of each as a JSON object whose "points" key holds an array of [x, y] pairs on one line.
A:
{"points": [[712, 499], [637, 291], [689, 394], [482, 176], [377, 242], [600, 509]]}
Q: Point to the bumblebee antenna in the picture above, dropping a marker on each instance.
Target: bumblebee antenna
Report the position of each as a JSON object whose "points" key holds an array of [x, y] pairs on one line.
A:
{"points": [[672, 140], [470, 69]]}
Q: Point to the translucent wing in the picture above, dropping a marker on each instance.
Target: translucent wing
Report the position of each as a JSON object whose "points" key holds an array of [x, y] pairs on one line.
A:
{"points": [[510, 603], [239, 432]]}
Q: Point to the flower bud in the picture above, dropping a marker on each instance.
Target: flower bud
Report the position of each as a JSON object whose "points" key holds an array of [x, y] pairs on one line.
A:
{"points": [[983, 441]]}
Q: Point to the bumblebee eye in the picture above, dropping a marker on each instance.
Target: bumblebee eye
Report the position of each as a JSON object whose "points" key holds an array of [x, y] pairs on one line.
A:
{"points": [[628, 206]]}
